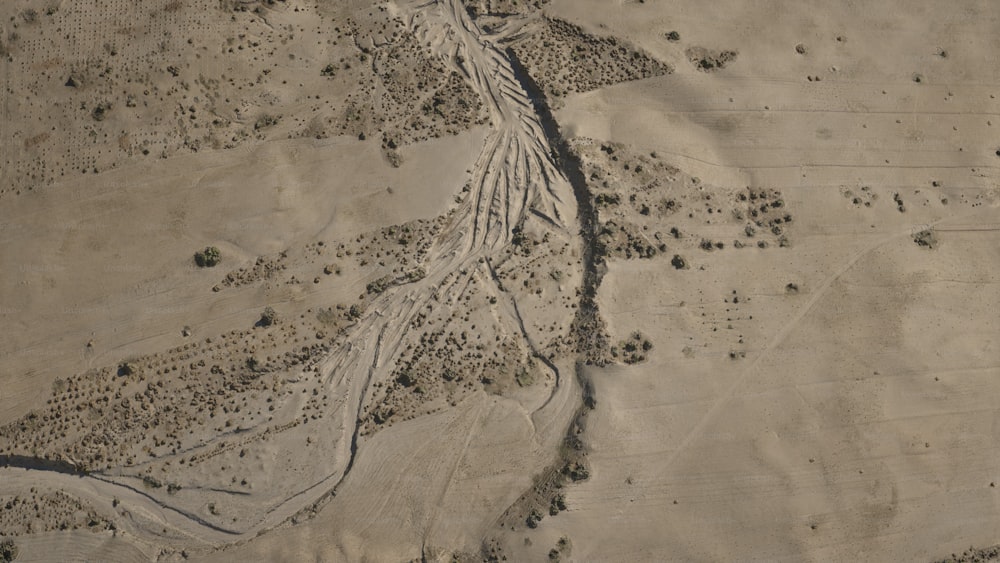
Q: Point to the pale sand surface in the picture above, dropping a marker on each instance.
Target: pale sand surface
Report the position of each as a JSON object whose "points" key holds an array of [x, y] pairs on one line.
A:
{"points": [[543, 288]]}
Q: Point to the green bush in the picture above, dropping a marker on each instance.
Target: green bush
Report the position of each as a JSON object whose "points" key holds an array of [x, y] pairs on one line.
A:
{"points": [[208, 258], [268, 317], [8, 550], [265, 121]]}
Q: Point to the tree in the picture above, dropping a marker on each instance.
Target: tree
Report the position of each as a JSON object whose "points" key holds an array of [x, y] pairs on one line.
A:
{"points": [[208, 258], [268, 317], [8, 550]]}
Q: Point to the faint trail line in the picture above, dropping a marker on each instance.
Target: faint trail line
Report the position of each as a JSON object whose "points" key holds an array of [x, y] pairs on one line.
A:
{"points": [[782, 334], [473, 429]]}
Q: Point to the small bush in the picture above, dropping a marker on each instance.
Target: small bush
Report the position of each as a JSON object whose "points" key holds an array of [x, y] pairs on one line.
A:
{"points": [[8, 550], [326, 316], [395, 159], [576, 471], [101, 111], [925, 238], [406, 379], [608, 199], [557, 505], [151, 482], [534, 518], [265, 121], [268, 317], [354, 313], [416, 275], [524, 378], [208, 258], [378, 286]]}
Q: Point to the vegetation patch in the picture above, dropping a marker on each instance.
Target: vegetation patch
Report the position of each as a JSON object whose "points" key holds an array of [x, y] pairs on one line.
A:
{"points": [[707, 60], [633, 350], [925, 239], [208, 258]]}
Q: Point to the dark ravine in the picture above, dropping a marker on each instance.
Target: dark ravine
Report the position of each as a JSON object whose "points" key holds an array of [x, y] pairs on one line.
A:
{"points": [[588, 329], [42, 464], [186, 514]]}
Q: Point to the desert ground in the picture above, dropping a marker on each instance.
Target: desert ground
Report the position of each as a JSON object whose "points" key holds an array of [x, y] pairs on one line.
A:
{"points": [[499, 280]]}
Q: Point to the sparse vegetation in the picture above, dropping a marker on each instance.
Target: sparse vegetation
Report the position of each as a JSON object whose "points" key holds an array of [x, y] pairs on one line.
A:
{"points": [[395, 159], [633, 350], [974, 555], [491, 320], [566, 59]]}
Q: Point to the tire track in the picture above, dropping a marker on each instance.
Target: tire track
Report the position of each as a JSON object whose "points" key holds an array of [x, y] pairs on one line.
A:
{"points": [[515, 174]]}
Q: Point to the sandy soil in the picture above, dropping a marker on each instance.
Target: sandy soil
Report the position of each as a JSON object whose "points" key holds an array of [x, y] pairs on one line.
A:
{"points": [[563, 280]]}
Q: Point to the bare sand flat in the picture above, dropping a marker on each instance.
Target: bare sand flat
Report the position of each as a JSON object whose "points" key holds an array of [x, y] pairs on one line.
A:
{"points": [[492, 280]]}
